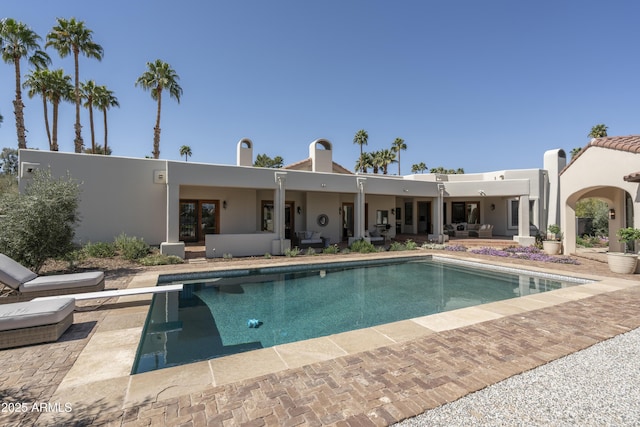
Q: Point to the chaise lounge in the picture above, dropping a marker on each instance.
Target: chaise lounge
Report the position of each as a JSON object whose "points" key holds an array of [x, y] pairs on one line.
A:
{"points": [[34, 322], [18, 283]]}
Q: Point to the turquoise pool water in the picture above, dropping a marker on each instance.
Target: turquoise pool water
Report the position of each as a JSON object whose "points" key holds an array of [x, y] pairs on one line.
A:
{"points": [[212, 316]]}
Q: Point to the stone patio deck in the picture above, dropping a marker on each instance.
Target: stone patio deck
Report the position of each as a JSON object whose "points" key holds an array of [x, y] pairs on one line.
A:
{"points": [[374, 376]]}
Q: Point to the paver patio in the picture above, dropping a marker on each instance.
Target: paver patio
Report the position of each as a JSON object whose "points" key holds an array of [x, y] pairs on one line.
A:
{"points": [[375, 376]]}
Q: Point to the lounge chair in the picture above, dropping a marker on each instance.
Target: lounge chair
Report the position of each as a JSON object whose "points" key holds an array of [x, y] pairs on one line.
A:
{"points": [[485, 231], [18, 283], [34, 322]]}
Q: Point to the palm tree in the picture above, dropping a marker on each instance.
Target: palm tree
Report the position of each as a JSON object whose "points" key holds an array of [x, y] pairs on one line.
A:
{"points": [[159, 76], [71, 36], [397, 146], [388, 157], [418, 167], [575, 151], [361, 138], [60, 89], [38, 83], [598, 131], [18, 41], [377, 161], [185, 151], [89, 91], [364, 162], [104, 99]]}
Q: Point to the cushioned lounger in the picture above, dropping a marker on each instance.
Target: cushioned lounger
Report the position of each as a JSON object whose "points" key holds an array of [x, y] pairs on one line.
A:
{"points": [[34, 322], [22, 284]]}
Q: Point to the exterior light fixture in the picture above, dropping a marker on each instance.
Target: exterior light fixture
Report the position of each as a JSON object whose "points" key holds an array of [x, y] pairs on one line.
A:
{"points": [[224, 204], [493, 206], [612, 214], [299, 210], [393, 211]]}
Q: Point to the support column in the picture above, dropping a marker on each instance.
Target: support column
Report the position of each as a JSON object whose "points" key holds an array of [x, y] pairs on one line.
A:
{"points": [[280, 244], [439, 229], [172, 244], [524, 236], [359, 210]]}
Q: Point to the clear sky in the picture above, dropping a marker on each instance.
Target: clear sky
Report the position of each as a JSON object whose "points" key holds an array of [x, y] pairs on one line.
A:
{"points": [[481, 85]]}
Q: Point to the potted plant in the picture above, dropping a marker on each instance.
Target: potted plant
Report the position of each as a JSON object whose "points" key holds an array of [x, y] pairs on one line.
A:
{"points": [[624, 262], [552, 245]]}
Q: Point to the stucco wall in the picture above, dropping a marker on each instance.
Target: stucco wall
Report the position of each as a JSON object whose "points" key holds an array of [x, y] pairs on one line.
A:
{"points": [[118, 195]]}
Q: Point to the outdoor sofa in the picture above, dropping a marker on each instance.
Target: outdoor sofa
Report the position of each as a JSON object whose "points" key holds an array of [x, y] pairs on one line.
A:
{"points": [[309, 239], [34, 322], [18, 283]]}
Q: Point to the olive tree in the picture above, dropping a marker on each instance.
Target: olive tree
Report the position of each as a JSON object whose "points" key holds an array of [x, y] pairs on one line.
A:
{"points": [[40, 222]]}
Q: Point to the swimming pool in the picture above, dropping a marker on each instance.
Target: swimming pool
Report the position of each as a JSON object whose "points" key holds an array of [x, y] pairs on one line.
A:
{"points": [[227, 312]]}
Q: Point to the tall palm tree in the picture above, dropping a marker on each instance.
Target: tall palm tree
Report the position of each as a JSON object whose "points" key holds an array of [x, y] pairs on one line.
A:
{"points": [[18, 41], [418, 167], [60, 89], [185, 151], [387, 156], [361, 138], [104, 100], [598, 131], [88, 93], [38, 82], [159, 76], [397, 146], [72, 37]]}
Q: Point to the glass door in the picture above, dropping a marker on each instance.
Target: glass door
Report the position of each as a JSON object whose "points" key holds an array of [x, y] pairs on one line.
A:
{"points": [[198, 218], [347, 221]]}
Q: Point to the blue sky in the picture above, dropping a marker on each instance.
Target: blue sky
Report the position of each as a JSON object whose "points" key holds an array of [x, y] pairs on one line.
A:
{"points": [[480, 85]]}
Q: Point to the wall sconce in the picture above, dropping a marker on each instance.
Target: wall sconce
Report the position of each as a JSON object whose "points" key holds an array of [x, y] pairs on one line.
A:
{"points": [[299, 210], [339, 211], [612, 214], [224, 204], [393, 211], [493, 206]]}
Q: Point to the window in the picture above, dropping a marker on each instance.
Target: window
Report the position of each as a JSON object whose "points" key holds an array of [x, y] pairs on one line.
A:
{"points": [[468, 212], [382, 217], [408, 213]]}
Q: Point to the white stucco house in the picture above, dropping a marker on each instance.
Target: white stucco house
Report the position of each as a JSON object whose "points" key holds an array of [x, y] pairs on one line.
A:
{"points": [[245, 210]]}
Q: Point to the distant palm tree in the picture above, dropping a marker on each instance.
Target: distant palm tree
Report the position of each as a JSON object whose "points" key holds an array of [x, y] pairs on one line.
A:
{"points": [[365, 161], [575, 151], [377, 160], [105, 99], [418, 167], [361, 138], [388, 157], [185, 151], [159, 76], [598, 131], [72, 37], [89, 90], [397, 146], [18, 41]]}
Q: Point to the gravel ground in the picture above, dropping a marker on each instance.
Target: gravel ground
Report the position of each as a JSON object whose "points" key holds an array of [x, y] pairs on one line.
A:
{"points": [[599, 386]]}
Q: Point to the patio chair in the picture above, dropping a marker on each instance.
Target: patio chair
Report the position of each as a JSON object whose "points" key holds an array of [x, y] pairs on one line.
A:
{"points": [[34, 322], [18, 283], [485, 231]]}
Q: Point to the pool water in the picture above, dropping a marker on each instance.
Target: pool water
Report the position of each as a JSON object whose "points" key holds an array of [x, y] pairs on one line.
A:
{"points": [[217, 316]]}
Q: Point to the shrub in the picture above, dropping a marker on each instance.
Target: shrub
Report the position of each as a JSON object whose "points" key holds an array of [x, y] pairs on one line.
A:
{"points": [[160, 259], [40, 223], [363, 247], [267, 255], [131, 248], [410, 245], [227, 255], [397, 246], [292, 252], [311, 251], [333, 249], [100, 250]]}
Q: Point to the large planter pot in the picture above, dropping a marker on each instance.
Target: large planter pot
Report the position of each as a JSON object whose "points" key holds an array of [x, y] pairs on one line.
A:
{"points": [[552, 247], [622, 263]]}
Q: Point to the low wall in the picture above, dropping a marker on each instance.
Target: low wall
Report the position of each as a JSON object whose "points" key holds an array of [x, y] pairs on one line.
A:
{"points": [[254, 244]]}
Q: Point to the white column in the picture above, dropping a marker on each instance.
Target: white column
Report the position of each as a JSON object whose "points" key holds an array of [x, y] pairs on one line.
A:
{"points": [[439, 229], [523, 216], [359, 222], [278, 209]]}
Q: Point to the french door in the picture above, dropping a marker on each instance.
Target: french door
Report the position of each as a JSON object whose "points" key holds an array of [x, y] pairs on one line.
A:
{"points": [[197, 218]]}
